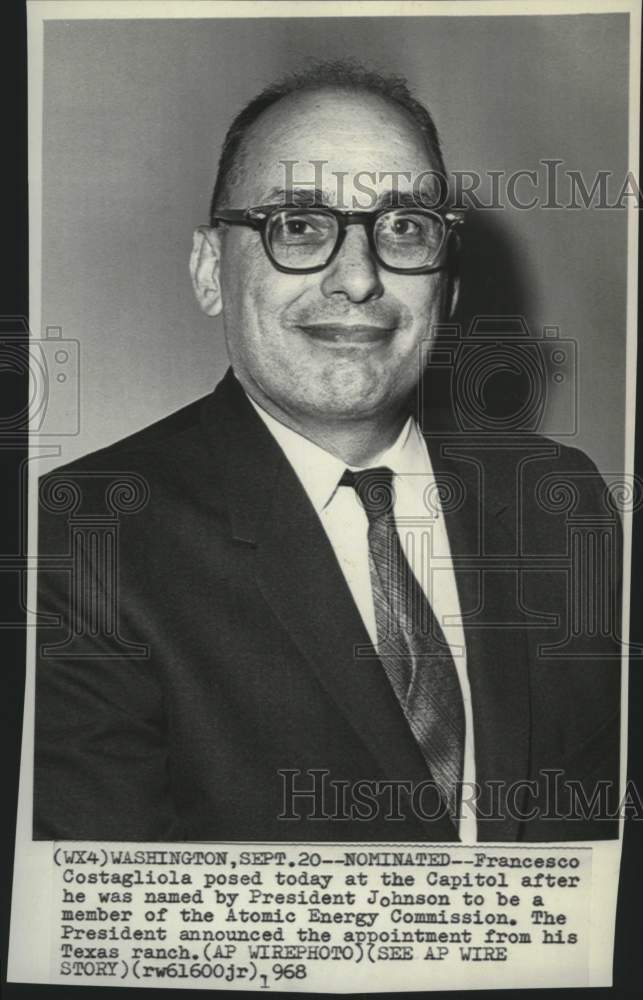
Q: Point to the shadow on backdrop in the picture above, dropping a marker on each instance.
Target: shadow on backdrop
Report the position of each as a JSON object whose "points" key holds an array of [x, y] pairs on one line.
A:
{"points": [[505, 386]]}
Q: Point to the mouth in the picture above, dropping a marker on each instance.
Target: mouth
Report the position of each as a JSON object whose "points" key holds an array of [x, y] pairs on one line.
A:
{"points": [[345, 335]]}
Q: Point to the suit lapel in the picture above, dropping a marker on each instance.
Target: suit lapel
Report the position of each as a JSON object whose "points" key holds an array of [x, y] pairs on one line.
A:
{"points": [[496, 645], [300, 578]]}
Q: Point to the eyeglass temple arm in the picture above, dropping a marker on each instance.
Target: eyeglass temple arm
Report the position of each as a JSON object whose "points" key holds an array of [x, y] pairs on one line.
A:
{"points": [[238, 216]]}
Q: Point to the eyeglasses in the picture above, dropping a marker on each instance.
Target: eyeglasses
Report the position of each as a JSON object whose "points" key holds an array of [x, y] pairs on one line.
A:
{"points": [[304, 240]]}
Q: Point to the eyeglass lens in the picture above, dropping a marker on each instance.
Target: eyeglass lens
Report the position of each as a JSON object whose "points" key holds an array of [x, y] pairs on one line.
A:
{"points": [[403, 238]]}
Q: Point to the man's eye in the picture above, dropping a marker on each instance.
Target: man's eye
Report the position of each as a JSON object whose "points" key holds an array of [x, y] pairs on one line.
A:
{"points": [[405, 227], [301, 230], [297, 227]]}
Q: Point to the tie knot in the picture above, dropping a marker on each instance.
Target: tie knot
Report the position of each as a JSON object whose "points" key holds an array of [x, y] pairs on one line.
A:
{"points": [[374, 487]]}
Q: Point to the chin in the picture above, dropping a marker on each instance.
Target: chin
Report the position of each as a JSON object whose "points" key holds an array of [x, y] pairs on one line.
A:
{"points": [[345, 391], [349, 405]]}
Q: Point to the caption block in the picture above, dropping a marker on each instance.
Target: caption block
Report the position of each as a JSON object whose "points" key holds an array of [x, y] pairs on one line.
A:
{"points": [[327, 918]]}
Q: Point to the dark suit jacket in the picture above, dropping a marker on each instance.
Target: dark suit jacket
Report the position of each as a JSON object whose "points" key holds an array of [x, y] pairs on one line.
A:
{"points": [[197, 639]]}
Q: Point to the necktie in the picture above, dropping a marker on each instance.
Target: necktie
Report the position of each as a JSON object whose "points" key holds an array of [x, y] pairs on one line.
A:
{"points": [[411, 644]]}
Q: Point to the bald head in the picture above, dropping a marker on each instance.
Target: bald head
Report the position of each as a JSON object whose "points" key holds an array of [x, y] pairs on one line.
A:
{"points": [[327, 142], [388, 94]]}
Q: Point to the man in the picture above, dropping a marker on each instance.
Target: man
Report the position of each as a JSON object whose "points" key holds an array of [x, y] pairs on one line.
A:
{"points": [[240, 635]]}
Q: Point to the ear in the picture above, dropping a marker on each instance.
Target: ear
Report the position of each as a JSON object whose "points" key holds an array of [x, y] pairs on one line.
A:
{"points": [[205, 266]]}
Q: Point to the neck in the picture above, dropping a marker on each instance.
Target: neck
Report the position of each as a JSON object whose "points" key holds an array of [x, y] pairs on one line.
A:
{"points": [[356, 441]]}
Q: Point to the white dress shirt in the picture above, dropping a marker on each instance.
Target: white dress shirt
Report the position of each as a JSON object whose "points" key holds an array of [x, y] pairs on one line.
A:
{"points": [[421, 526]]}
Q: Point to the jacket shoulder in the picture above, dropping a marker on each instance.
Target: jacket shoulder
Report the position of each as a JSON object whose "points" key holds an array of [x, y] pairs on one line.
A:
{"points": [[545, 450], [157, 472], [167, 437]]}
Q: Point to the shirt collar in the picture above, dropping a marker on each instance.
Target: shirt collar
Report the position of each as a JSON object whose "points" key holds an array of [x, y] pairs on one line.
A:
{"points": [[319, 471]]}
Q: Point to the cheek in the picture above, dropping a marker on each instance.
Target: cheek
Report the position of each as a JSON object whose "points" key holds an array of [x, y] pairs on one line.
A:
{"points": [[244, 268], [425, 302], [245, 303], [267, 294]]}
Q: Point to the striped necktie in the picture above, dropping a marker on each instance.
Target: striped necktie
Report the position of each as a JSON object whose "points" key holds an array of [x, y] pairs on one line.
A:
{"points": [[410, 642]]}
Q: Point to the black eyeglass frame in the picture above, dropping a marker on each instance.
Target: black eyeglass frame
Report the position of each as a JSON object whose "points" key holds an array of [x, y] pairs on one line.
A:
{"points": [[259, 217]]}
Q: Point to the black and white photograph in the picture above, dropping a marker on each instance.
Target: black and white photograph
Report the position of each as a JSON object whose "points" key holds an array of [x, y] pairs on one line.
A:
{"points": [[331, 489]]}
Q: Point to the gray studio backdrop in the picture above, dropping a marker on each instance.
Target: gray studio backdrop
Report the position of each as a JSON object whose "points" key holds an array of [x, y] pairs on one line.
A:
{"points": [[134, 115]]}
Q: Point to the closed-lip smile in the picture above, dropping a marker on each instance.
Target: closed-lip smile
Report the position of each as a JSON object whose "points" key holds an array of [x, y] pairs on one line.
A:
{"points": [[344, 333]]}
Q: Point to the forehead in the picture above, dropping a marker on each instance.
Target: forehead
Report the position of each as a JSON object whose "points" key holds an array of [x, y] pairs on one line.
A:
{"points": [[348, 132]]}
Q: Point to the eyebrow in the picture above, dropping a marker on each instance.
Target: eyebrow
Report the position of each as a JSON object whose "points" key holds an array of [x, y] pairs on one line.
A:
{"points": [[309, 196], [300, 196], [398, 199]]}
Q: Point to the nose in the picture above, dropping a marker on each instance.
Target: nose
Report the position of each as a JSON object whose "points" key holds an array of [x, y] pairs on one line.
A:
{"points": [[353, 273]]}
